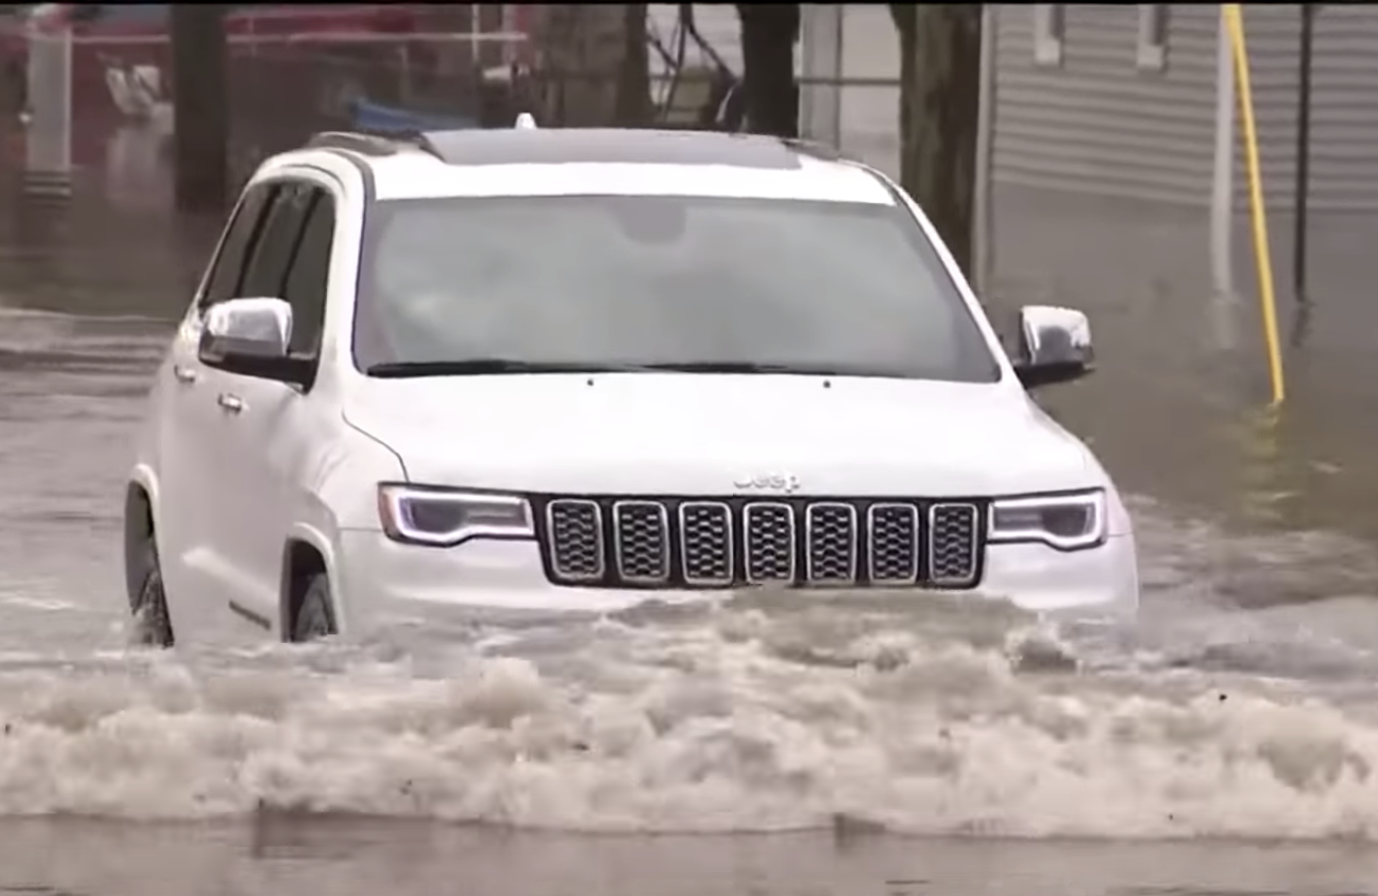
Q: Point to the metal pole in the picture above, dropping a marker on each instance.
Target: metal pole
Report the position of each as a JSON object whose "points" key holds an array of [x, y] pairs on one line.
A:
{"points": [[983, 240], [475, 41], [1222, 180], [820, 58], [48, 137], [200, 99], [839, 32], [1303, 181]]}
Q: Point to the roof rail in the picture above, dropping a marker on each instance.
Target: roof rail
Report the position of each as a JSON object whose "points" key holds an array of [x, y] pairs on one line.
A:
{"points": [[367, 143]]}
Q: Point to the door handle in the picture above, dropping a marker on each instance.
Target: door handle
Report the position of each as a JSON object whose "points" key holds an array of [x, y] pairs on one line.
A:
{"points": [[231, 403], [184, 375]]}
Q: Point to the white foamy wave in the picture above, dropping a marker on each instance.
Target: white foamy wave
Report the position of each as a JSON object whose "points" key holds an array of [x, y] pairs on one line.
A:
{"points": [[737, 720]]}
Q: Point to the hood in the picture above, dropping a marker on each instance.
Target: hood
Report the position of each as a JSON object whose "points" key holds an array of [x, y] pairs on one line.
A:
{"points": [[697, 434]]}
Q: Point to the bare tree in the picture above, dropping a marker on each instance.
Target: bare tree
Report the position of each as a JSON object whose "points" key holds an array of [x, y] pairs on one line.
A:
{"points": [[769, 32], [940, 89], [592, 64], [201, 106]]}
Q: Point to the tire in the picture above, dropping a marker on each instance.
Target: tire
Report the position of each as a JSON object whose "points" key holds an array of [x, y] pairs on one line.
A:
{"points": [[152, 624], [315, 616]]}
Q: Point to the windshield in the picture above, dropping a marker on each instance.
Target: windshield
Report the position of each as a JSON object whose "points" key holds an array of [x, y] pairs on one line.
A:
{"points": [[660, 281]]}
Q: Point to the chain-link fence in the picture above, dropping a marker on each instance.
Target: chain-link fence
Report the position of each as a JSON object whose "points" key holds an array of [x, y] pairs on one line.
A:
{"points": [[93, 95]]}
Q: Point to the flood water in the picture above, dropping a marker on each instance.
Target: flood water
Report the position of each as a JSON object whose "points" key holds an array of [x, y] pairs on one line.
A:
{"points": [[843, 745], [772, 746]]}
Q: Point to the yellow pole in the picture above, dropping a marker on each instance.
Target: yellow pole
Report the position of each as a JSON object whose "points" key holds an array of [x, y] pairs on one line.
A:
{"points": [[1233, 20]]}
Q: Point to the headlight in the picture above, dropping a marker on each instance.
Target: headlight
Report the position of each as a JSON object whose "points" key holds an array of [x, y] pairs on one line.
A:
{"points": [[1067, 522], [440, 517]]}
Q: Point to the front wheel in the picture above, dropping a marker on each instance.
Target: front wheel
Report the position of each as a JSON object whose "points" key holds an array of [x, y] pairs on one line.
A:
{"points": [[315, 618], [152, 624]]}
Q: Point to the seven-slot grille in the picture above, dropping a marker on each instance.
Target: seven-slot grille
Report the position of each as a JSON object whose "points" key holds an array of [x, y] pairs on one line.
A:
{"points": [[702, 543]]}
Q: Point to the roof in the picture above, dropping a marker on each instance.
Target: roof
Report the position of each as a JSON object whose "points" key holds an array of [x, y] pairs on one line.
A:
{"points": [[555, 161]]}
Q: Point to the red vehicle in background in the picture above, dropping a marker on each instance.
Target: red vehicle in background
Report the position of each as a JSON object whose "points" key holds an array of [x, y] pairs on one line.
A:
{"points": [[137, 34], [292, 68]]}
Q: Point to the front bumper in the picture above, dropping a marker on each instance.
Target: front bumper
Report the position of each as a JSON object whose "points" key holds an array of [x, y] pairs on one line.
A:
{"points": [[382, 584]]}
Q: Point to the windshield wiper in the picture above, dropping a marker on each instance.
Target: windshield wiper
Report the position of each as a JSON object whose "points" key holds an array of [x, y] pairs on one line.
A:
{"points": [[484, 366], [488, 366], [749, 367]]}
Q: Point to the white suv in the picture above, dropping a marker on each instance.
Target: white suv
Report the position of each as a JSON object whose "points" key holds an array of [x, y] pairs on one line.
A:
{"points": [[533, 371]]}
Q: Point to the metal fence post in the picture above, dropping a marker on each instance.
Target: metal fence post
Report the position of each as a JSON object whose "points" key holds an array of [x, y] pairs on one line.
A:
{"points": [[48, 141], [1303, 180], [1222, 177], [820, 56], [983, 240]]}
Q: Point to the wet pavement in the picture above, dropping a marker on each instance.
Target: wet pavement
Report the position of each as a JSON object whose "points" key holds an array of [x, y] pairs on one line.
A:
{"points": [[361, 857], [1227, 745]]}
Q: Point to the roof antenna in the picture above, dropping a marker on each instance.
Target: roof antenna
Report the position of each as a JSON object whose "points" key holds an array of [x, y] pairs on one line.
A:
{"points": [[525, 122]]}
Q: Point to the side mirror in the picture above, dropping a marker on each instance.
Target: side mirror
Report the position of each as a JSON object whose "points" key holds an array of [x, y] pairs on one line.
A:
{"points": [[252, 337], [1054, 346]]}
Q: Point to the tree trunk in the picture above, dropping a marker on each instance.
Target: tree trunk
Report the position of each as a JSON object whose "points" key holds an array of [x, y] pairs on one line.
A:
{"points": [[201, 107], [940, 97], [769, 32], [634, 109], [592, 64]]}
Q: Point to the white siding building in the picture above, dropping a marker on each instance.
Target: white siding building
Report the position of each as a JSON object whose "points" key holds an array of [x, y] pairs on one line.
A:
{"points": [[1095, 98]]}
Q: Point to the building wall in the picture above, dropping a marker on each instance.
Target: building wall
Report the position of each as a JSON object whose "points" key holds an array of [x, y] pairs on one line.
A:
{"points": [[1095, 123], [1098, 123], [1344, 108]]}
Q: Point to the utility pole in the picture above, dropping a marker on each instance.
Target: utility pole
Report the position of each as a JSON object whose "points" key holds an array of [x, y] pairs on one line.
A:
{"points": [[200, 102], [940, 115]]}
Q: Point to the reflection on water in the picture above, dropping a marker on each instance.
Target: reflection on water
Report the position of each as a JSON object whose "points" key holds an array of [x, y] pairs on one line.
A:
{"points": [[1178, 406]]}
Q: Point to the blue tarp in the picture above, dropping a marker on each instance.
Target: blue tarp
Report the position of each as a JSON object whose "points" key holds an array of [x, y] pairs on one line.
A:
{"points": [[377, 118]]}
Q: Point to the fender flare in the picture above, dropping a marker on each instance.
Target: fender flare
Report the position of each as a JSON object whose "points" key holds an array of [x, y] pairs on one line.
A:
{"points": [[324, 546]]}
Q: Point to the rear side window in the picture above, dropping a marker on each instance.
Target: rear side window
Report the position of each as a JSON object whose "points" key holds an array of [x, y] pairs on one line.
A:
{"points": [[265, 274], [228, 267], [309, 275]]}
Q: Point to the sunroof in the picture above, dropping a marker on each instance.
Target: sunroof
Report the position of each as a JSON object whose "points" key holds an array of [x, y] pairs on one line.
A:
{"points": [[553, 146]]}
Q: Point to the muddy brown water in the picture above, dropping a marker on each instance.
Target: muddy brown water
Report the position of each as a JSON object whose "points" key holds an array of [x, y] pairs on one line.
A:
{"points": [[1225, 747]]}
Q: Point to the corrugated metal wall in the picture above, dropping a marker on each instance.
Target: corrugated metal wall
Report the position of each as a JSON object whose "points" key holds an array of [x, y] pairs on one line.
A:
{"points": [[1098, 124]]}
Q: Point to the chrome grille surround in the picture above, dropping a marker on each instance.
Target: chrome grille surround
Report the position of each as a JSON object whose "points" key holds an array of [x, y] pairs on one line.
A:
{"points": [[707, 544], [952, 553], [575, 537], [831, 543], [769, 542], [892, 551], [693, 543], [641, 541]]}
